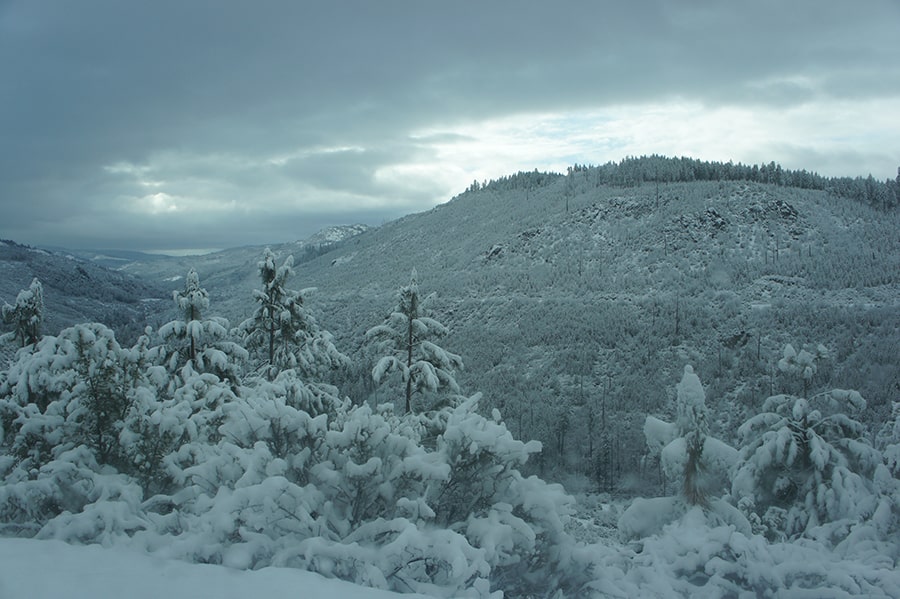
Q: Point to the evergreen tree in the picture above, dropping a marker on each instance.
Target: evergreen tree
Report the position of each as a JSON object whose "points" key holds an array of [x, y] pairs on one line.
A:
{"points": [[693, 426], [689, 455], [806, 463], [282, 330], [405, 336], [802, 365], [197, 340], [27, 315]]}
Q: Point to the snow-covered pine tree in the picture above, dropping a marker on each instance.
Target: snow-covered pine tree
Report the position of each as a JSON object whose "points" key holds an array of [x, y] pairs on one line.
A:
{"points": [[26, 316], [802, 365], [192, 302], [282, 331], [405, 335], [62, 409], [889, 439], [693, 427], [688, 455], [806, 463], [200, 341]]}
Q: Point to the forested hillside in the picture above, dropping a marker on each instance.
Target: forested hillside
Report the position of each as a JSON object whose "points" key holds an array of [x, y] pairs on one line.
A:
{"points": [[573, 301], [78, 290], [720, 356]]}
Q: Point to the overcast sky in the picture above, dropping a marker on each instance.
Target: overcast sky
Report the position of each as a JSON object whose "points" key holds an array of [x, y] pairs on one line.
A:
{"points": [[189, 124]]}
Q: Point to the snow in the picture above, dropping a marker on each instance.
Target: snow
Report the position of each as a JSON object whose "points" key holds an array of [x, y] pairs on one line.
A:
{"points": [[53, 569]]}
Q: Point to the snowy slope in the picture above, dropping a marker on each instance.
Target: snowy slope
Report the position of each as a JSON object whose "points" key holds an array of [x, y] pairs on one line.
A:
{"points": [[76, 290], [32, 569]]}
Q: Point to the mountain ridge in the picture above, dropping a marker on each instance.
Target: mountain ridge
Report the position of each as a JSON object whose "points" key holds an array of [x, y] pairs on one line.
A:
{"points": [[572, 291]]}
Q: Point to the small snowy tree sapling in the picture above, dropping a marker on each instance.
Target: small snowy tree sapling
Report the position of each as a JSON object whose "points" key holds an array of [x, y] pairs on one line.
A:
{"points": [[406, 336], [27, 315], [693, 427], [701, 464], [802, 365]]}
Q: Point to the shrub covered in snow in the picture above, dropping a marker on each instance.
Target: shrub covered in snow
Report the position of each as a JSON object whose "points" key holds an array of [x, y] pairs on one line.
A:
{"points": [[26, 315], [807, 468], [359, 496], [62, 408], [173, 449]]}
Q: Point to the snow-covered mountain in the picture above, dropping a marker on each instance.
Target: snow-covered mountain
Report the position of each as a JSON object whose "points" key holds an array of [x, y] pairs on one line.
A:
{"points": [[127, 289], [568, 297], [564, 295], [577, 303]]}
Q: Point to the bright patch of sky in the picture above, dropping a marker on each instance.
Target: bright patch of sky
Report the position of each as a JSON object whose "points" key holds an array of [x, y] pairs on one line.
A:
{"points": [[834, 138]]}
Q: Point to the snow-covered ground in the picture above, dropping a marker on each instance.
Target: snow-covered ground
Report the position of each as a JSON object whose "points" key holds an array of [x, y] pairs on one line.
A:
{"points": [[31, 569]]}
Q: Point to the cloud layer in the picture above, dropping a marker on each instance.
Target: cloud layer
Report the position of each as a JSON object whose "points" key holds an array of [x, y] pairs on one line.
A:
{"points": [[211, 124]]}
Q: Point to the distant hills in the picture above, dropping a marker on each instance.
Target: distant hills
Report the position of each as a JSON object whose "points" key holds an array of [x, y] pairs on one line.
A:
{"points": [[77, 290], [128, 289]]}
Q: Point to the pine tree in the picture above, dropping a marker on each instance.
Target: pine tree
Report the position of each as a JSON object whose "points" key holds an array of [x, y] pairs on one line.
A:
{"points": [[802, 365], [282, 329], [693, 426], [807, 462], [405, 335], [27, 315], [687, 453], [199, 340]]}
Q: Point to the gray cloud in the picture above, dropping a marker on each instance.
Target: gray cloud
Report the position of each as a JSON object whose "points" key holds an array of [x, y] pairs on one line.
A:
{"points": [[157, 124]]}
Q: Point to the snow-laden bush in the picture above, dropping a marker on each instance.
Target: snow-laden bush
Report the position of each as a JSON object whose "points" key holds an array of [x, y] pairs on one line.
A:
{"points": [[695, 557], [166, 421], [62, 408], [72, 389], [889, 440], [353, 492], [86, 421], [26, 316], [102, 443], [71, 497], [807, 468], [519, 521]]}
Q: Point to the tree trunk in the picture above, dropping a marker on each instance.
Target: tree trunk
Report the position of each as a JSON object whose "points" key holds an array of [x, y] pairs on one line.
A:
{"points": [[271, 345], [409, 360]]}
